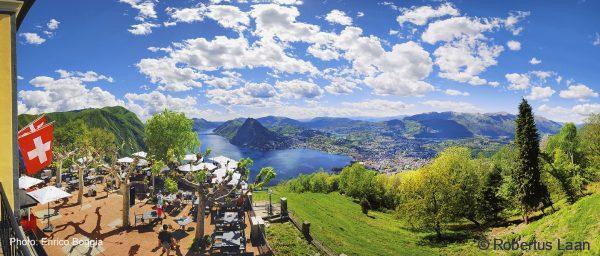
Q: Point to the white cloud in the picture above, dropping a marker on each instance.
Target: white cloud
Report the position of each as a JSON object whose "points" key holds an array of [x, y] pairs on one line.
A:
{"points": [[147, 104], [33, 38], [463, 60], [518, 81], [20, 77], [53, 24], [452, 92], [255, 95], [144, 28], [260, 90], [540, 93], [298, 89], [88, 76], [378, 107], [456, 106], [145, 8], [596, 41], [577, 113], [339, 17], [421, 15], [458, 27], [400, 71], [165, 72], [360, 14], [513, 18], [493, 83], [513, 45], [187, 15], [578, 91], [230, 79], [534, 61], [229, 16], [65, 94]]}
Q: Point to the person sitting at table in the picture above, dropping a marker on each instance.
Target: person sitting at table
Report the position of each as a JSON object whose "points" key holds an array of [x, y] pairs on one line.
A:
{"points": [[92, 190], [166, 239]]}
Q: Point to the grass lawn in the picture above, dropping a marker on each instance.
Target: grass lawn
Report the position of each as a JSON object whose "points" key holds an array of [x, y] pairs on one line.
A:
{"points": [[338, 222], [285, 239], [573, 223]]}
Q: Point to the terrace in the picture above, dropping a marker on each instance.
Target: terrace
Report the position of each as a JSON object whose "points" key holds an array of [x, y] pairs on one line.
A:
{"points": [[94, 227]]}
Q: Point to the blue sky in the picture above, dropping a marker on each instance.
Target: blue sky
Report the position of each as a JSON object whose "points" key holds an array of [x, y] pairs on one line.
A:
{"points": [[224, 59]]}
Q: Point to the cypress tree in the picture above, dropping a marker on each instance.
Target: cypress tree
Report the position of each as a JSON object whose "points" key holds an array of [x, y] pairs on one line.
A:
{"points": [[531, 191]]}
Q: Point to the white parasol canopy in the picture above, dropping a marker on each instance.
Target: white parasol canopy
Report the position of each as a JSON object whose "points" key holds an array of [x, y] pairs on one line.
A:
{"points": [[225, 162], [141, 154], [197, 167], [125, 160], [190, 158], [142, 162], [48, 194], [26, 182]]}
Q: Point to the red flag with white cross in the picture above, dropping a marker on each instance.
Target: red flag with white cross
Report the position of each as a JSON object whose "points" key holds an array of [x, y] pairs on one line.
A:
{"points": [[36, 148], [36, 124]]}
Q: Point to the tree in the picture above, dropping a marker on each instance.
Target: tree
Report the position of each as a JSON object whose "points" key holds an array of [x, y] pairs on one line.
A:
{"points": [[567, 141], [421, 197], [491, 202], [122, 178], [590, 145], [566, 173], [209, 193], [70, 139], [169, 135], [531, 192]]}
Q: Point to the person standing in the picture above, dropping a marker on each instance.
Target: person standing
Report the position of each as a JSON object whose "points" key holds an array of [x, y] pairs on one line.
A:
{"points": [[166, 239]]}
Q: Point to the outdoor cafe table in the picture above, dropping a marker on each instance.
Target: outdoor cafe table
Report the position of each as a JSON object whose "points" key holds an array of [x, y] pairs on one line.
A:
{"points": [[231, 239], [150, 215], [183, 221], [230, 218]]}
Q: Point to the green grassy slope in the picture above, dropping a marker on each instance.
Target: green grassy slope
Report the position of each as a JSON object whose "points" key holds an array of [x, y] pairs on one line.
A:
{"points": [[124, 124], [338, 222], [285, 239], [577, 222]]}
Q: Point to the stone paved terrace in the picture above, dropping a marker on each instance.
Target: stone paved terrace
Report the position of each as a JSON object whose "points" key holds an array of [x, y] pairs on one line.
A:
{"points": [[99, 218]]}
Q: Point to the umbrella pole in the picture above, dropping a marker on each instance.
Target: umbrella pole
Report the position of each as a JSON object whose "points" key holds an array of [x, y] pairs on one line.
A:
{"points": [[48, 228]]}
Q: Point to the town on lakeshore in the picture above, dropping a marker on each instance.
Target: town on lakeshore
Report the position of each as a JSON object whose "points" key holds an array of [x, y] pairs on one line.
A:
{"points": [[299, 127]]}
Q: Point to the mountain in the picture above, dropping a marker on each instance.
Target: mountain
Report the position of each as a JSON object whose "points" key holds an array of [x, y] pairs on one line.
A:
{"points": [[201, 124], [124, 124], [229, 129], [252, 134], [464, 125]]}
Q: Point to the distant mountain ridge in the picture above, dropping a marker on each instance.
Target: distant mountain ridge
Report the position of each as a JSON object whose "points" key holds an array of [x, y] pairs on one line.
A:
{"points": [[124, 124], [433, 125], [201, 124]]}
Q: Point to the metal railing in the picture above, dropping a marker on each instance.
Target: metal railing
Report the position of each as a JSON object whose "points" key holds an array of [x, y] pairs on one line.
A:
{"points": [[11, 235]]}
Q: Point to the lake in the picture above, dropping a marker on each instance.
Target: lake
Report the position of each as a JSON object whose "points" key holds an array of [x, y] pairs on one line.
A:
{"points": [[288, 163]]}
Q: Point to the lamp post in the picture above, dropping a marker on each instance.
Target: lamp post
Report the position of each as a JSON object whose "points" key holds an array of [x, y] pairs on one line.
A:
{"points": [[270, 202]]}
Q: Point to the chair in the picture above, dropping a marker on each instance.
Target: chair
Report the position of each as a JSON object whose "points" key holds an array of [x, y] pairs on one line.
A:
{"points": [[138, 217]]}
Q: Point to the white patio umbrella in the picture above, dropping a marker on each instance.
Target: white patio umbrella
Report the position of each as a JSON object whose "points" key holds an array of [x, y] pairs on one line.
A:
{"points": [[142, 162], [46, 195], [197, 167], [125, 160], [26, 182], [190, 158], [141, 154]]}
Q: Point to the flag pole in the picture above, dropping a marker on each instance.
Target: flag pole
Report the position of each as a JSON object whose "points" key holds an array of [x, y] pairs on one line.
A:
{"points": [[39, 117]]}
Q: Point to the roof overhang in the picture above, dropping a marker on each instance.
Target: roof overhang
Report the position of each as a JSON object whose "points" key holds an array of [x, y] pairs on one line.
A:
{"points": [[20, 8]]}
